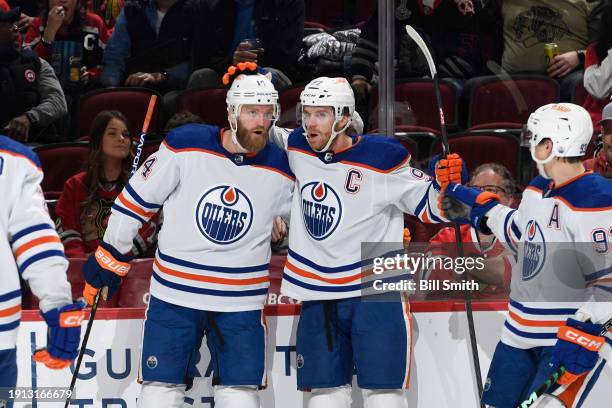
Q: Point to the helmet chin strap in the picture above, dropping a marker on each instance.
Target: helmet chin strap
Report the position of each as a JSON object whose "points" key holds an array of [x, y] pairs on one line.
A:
{"points": [[334, 133], [540, 163], [234, 127]]}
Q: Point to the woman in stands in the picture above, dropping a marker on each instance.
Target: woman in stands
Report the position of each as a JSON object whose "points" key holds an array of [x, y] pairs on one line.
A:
{"points": [[72, 40], [85, 204]]}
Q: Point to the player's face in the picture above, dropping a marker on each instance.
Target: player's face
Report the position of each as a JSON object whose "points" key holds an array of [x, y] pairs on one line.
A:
{"points": [[492, 182], [253, 124], [318, 122], [116, 140]]}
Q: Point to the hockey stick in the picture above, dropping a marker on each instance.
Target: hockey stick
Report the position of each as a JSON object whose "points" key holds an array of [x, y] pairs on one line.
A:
{"points": [[94, 306], [446, 151], [541, 390]]}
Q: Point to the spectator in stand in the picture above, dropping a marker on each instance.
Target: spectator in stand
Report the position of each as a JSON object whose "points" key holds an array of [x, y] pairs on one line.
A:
{"points": [[598, 68], [529, 24], [494, 279], [226, 24], [180, 119], [460, 47], [109, 10], [85, 203], [151, 44], [72, 40], [32, 98], [602, 162]]}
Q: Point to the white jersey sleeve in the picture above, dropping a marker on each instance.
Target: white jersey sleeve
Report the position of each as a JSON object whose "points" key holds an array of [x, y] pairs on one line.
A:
{"points": [[34, 243], [414, 192], [142, 197]]}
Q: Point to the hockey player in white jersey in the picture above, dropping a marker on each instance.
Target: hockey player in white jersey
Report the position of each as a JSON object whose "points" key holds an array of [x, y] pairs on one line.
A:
{"points": [[350, 190], [31, 249], [560, 291], [220, 190]]}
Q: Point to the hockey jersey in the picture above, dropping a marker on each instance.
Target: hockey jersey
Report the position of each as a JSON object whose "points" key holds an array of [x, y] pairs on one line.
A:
{"points": [[563, 237], [342, 200], [29, 245], [214, 248], [82, 229], [87, 45]]}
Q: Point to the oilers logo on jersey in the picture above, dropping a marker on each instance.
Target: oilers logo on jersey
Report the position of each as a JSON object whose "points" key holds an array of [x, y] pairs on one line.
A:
{"points": [[322, 209], [224, 214], [534, 254]]}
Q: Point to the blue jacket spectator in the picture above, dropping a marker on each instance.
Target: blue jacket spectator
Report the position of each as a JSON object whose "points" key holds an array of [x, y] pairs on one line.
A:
{"points": [[151, 44]]}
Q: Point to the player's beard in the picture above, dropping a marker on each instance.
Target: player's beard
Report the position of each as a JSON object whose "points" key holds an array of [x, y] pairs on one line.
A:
{"points": [[253, 143]]}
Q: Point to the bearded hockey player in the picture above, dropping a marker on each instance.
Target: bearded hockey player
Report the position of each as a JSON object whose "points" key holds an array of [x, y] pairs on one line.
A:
{"points": [[350, 189], [31, 249], [221, 190], [560, 290]]}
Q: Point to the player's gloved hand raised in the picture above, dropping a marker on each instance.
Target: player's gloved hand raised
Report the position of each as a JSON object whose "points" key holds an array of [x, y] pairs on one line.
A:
{"points": [[104, 268], [63, 336], [467, 205], [577, 349], [450, 169]]}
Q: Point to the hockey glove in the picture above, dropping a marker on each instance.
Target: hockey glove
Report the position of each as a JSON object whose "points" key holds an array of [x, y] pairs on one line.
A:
{"points": [[104, 268], [63, 336], [577, 349], [451, 169], [467, 205]]}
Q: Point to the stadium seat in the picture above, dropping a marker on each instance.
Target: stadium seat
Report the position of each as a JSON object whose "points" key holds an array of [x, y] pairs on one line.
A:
{"points": [[493, 100], [289, 98], [477, 148], [132, 102], [136, 284], [208, 103], [419, 98], [60, 161]]}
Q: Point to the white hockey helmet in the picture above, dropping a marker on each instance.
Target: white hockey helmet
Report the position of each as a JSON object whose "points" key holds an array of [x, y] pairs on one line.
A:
{"points": [[334, 92], [254, 89], [567, 125]]}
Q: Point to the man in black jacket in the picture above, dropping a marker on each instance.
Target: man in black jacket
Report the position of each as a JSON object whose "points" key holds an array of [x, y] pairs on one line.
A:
{"points": [[151, 44], [31, 96], [225, 24]]}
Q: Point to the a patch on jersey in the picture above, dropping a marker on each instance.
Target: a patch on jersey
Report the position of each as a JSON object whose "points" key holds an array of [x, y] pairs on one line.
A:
{"points": [[224, 214], [300, 361], [152, 362], [534, 250], [322, 209], [29, 75], [147, 167]]}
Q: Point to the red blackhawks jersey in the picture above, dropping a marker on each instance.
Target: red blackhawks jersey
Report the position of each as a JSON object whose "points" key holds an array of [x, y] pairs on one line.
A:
{"points": [[88, 44], [82, 229]]}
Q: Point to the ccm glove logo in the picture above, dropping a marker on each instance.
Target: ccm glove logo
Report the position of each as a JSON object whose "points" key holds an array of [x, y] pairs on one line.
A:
{"points": [[71, 319], [585, 340], [108, 262]]}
